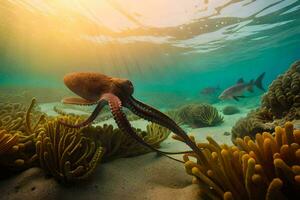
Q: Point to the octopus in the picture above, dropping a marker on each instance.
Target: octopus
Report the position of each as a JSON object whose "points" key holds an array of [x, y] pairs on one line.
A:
{"points": [[101, 90]]}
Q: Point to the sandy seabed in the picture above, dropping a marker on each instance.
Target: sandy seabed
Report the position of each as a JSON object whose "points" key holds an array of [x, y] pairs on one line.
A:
{"points": [[147, 176]]}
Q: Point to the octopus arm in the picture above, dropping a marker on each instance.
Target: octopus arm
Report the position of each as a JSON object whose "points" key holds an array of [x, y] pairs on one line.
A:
{"points": [[78, 101], [101, 103], [151, 114]]}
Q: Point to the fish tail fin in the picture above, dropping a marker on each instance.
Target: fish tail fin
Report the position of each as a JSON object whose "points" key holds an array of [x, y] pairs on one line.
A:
{"points": [[258, 81]]}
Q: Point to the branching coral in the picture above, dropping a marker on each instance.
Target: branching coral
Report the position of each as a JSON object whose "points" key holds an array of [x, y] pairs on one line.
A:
{"points": [[65, 153], [117, 144], [265, 168], [200, 115]]}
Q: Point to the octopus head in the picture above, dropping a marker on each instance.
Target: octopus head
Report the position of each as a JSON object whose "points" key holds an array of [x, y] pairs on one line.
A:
{"points": [[88, 85], [123, 87]]}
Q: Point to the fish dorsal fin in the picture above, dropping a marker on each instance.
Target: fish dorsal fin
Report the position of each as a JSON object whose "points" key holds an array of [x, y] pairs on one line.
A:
{"points": [[241, 80]]}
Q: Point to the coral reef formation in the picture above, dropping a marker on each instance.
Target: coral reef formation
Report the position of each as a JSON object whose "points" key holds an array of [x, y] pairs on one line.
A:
{"points": [[265, 168], [257, 121], [230, 110], [200, 115], [18, 135], [283, 96], [8, 142], [66, 153], [117, 144], [281, 103], [13, 116]]}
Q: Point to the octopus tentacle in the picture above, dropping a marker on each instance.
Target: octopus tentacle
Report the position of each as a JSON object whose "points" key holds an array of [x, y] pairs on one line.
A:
{"points": [[101, 103], [123, 123], [151, 114]]}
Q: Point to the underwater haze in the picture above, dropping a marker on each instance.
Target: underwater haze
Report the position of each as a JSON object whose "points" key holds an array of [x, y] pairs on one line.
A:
{"points": [[168, 49], [150, 99]]}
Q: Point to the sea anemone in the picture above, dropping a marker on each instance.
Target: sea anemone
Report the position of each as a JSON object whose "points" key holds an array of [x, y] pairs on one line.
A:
{"points": [[200, 115], [118, 144], [18, 137], [65, 152], [264, 168]]}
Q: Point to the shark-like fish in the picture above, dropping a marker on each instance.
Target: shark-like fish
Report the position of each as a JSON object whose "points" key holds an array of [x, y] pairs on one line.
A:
{"points": [[236, 91]]}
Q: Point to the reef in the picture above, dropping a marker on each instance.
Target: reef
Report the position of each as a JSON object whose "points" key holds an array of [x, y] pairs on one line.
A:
{"points": [[283, 96], [230, 110], [66, 153], [116, 144], [257, 121], [281, 103], [265, 168], [18, 136], [29, 138], [200, 115]]}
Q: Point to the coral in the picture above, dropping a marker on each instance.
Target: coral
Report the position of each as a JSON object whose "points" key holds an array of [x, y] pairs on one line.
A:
{"points": [[118, 144], [66, 153], [256, 121], [200, 115], [22, 137], [8, 142], [175, 116], [230, 110], [153, 135], [265, 168], [13, 116], [280, 104], [283, 96]]}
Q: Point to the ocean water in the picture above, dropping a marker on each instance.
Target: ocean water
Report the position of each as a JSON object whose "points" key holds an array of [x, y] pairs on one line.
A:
{"points": [[169, 50], [175, 52]]}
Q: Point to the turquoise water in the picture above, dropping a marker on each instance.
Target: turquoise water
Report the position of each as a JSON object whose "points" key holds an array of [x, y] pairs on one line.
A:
{"points": [[170, 53]]}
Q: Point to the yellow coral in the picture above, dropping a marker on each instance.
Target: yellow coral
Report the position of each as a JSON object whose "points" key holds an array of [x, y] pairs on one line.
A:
{"points": [[18, 136], [8, 142], [65, 152], [118, 144], [265, 168]]}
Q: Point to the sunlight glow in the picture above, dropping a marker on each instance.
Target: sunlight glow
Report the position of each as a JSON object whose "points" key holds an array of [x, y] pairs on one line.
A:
{"points": [[123, 35]]}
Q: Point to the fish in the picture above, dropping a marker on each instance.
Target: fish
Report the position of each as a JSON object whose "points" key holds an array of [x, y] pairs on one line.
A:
{"points": [[209, 90], [236, 91]]}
